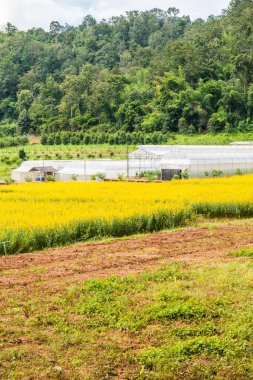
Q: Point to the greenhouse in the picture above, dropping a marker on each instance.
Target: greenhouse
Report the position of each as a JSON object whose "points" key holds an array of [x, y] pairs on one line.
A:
{"points": [[198, 160], [85, 170], [171, 160], [82, 170], [111, 169], [203, 166], [158, 152]]}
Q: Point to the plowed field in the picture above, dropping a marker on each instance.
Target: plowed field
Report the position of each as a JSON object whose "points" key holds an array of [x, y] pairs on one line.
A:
{"points": [[121, 257]]}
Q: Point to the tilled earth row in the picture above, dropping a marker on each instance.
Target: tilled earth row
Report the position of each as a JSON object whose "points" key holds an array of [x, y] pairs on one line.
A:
{"points": [[121, 257]]}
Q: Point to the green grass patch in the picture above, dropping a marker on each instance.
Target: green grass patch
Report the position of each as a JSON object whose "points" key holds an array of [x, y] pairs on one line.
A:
{"points": [[188, 321], [246, 252]]}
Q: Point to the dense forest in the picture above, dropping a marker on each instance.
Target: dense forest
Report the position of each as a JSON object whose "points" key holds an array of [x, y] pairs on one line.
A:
{"points": [[130, 79]]}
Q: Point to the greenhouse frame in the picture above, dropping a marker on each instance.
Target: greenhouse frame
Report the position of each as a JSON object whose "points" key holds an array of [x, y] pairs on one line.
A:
{"points": [[199, 160]]}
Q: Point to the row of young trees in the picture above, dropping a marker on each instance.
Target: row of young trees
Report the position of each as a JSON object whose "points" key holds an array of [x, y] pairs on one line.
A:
{"points": [[142, 73], [119, 138]]}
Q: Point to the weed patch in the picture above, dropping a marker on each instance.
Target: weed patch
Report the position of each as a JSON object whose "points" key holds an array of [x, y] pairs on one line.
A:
{"points": [[243, 253]]}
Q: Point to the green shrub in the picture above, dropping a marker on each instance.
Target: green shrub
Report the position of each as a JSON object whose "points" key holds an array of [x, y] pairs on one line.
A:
{"points": [[120, 176], [98, 175], [186, 174], [50, 178], [217, 173], [150, 174], [238, 172]]}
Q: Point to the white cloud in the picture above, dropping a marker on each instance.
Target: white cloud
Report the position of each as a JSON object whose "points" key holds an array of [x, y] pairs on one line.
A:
{"points": [[39, 13], [194, 8]]}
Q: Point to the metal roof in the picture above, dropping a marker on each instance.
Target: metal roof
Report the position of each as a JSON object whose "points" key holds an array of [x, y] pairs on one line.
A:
{"points": [[43, 169]]}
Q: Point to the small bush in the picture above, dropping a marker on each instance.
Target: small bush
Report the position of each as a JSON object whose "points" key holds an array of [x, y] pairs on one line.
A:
{"points": [[238, 172], [50, 178], [217, 173], [186, 174], [99, 175], [120, 176], [151, 175]]}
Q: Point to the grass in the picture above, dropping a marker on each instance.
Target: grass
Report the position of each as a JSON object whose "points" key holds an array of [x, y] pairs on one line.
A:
{"points": [[189, 321], [223, 209], [210, 139], [247, 252]]}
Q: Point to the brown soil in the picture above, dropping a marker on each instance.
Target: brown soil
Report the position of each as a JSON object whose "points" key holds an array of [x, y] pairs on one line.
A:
{"points": [[121, 257]]}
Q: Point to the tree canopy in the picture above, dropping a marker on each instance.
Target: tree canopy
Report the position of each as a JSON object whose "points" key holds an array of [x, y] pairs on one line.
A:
{"points": [[150, 72]]}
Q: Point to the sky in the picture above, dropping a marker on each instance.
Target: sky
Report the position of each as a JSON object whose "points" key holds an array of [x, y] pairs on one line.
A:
{"points": [[26, 14]]}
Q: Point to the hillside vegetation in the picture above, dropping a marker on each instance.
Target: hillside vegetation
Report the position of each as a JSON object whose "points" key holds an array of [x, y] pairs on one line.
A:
{"points": [[130, 79]]}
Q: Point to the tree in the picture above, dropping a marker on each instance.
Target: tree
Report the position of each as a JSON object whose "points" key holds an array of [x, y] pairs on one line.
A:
{"points": [[10, 29], [144, 73], [88, 21], [25, 99], [24, 122], [22, 154], [55, 28]]}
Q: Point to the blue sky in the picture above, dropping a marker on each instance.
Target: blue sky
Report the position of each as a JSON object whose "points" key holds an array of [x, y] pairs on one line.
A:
{"points": [[38, 13]]}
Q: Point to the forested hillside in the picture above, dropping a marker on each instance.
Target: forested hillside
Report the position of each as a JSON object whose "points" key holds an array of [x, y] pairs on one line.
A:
{"points": [[132, 78]]}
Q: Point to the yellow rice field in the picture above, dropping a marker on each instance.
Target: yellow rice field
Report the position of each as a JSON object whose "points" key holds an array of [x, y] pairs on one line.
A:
{"points": [[38, 215]]}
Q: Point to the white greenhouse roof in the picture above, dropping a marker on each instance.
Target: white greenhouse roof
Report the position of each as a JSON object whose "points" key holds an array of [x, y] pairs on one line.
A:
{"points": [[242, 143], [92, 166], [27, 165], [187, 151], [72, 166], [208, 160]]}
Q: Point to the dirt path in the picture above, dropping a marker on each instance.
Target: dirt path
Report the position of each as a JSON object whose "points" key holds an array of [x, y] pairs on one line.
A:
{"points": [[121, 257]]}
